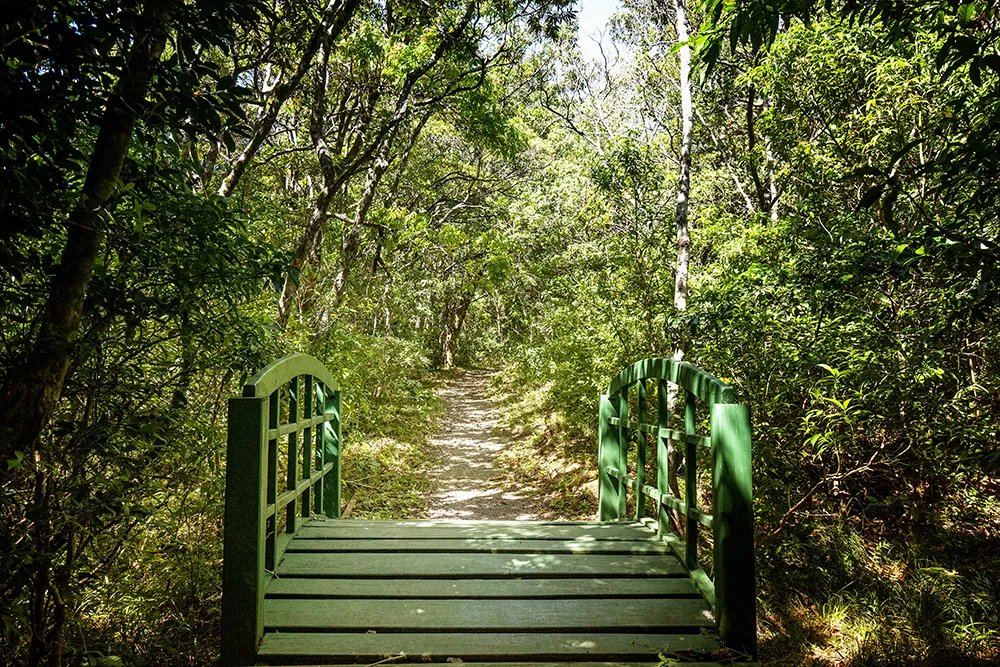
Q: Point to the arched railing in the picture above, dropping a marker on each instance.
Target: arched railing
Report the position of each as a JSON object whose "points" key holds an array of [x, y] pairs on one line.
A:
{"points": [[272, 487], [732, 593]]}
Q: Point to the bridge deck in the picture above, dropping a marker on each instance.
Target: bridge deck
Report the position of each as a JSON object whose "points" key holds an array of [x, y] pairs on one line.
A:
{"points": [[361, 592]]}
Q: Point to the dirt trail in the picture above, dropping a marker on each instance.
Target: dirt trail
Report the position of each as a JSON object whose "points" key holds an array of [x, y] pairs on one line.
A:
{"points": [[465, 484]]}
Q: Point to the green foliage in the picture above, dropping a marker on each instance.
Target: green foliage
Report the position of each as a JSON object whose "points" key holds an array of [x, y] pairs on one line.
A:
{"points": [[861, 342], [512, 205]]}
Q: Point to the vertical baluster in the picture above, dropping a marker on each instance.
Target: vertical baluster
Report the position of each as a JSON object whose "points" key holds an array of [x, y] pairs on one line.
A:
{"points": [[640, 450], [690, 482], [321, 390], [271, 530], [623, 450], [307, 442], [292, 476], [332, 439], [662, 470]]}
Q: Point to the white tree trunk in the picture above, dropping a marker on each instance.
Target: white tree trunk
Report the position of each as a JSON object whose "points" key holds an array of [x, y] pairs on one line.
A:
{"points": [[681, 227], [684, 175]]}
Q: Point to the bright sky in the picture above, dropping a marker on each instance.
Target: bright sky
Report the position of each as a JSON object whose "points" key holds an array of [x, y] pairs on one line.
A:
{"points": [[593, 18]]}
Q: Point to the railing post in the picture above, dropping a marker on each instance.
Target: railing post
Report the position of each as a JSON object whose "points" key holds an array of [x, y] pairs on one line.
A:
{"points": [[243, 546], [609, 488], [332, 439], [735, 590]]}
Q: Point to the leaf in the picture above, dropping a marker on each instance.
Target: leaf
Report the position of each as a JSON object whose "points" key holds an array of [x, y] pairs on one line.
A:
{"points": [[966, 12], [992, 61], [227, 139], [15, 462], [871, 196], [975, 72]]}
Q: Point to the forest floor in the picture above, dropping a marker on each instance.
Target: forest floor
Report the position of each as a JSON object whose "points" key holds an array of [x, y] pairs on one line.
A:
{"points": [[465, 480], [494, 461]]}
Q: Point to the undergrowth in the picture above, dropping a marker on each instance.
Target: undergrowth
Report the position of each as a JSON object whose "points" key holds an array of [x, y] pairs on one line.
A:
{"points": [[838, 591], [385, 455], [548, 457], [832, 593]]}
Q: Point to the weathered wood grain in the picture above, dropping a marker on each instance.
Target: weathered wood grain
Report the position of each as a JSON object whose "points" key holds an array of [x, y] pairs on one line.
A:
{"points": [[459, 615], [321, 647], [437, 566]]}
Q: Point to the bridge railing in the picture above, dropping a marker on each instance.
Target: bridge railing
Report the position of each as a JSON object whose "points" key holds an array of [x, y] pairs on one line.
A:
{"points": [[283, 466], [732, 593]]}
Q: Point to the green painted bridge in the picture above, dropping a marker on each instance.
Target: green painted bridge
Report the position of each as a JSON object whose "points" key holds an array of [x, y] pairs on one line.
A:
{"points": [[656, 577]]}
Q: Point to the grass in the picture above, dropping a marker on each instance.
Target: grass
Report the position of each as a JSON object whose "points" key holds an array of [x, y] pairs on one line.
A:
{"points": [[547, 459], [386, 454], [833, 594]]}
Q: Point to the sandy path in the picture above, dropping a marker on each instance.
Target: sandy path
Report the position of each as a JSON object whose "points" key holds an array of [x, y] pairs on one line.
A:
{"points": [[465, 484]]}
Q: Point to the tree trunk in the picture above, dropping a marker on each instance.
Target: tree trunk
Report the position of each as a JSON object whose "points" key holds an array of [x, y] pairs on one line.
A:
{"points": [[31, 391], [352, 237], [312, 235], [763, 198], [455, 311], [684, 173], [681, 223], [366, 148]]}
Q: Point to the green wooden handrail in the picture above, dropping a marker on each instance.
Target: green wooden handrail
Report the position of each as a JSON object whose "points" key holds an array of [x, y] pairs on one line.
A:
{"points": [[732, 593], [296, 396]]}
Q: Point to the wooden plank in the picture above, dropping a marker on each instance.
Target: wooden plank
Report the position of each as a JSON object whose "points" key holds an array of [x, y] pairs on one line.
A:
{"points": [[650, 546], [459, 615], [275, 374], [316, 647], [474, 566], [498, 531], [664, 432], [484, 522], [480, 589], [640, 450], [691, 512], [685, 663], [622, 463], [398, 663]]}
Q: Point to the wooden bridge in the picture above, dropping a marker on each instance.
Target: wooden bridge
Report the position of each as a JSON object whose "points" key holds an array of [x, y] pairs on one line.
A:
{"points": [[302, 586]]}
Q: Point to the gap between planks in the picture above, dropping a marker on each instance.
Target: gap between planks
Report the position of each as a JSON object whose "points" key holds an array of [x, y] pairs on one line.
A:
{"points": [[483, 589]]}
